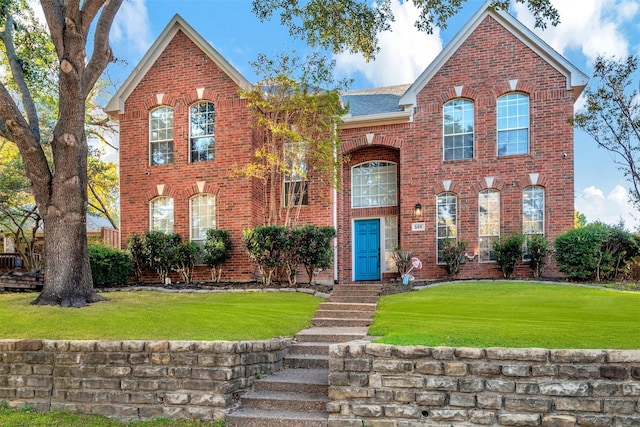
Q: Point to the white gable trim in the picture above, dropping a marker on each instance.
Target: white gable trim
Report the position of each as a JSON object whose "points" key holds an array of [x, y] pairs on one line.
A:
{"points": [[177, 23], [575, 78]]}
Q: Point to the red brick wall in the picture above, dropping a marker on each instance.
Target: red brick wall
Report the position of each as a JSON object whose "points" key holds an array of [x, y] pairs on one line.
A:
{"points": [[483, 65]]}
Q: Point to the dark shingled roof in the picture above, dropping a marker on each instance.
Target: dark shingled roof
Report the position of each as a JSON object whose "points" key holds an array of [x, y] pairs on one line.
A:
{"points": [[374, 101]]}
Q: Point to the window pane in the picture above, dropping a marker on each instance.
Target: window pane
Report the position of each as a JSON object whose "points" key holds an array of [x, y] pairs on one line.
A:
{"points": [[513, 124], [390, 241], [203, 216], [446, 220], [488, 222], [202, 119], [533, 210], [458, 130], [374, 184], [162, 214], [161, 136]]}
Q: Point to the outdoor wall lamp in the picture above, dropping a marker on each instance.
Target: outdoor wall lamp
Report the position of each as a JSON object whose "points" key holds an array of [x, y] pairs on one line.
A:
{"points": [[417, 211]]}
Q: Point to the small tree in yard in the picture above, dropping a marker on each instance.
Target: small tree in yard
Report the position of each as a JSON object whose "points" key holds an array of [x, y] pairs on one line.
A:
{"points": [[217, 249], [508, 252], [311, 247], [184, 259], [136, 249], [452, 253], [158, 248], [267, 246], [537, 251]]}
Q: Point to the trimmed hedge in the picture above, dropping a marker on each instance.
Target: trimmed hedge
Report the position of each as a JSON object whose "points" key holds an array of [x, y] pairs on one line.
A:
{"points": [[109, 266]]}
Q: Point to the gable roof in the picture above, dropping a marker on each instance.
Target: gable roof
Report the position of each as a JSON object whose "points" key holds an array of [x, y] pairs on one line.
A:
{"points": [[177, 23], [575, 78]]}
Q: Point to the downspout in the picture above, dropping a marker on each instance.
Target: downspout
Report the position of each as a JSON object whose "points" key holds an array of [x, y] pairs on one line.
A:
{"points": [[334, 211]]}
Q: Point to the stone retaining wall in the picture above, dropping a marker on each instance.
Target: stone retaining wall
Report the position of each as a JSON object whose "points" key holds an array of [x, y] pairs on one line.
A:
{"points": [[387, 386], [135, 379]]}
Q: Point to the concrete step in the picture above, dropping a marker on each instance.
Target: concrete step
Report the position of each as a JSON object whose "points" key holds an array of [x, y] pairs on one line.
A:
{"points": [[331, 321], [331, 334], [314, 381], [354, 299], [341, 306], [309, 348], [344, 314], [284, 400], [369, 288], [355, 292], [306, 361], [252, 417]]}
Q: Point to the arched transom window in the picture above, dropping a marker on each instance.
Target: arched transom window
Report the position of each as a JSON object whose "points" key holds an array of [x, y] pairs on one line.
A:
{"points": [[374, 184]]}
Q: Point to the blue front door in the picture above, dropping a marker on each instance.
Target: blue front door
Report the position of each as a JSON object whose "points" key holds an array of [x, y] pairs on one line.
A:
{"points": [[367, 249]]}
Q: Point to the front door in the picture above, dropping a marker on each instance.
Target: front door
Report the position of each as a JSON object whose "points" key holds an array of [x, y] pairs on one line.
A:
{"points": [[367, 249]]}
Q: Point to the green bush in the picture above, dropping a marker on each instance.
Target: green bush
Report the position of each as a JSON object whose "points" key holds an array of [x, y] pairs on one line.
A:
{"points": [[508, 252], [134, 245], [267, 246], [537, 251], [158, 251], [596, 252], [452, 253], [109, 266], [217, 249], [311, 247], [184, 259]]}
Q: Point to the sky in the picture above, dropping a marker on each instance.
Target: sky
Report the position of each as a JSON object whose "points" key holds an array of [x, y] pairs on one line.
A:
{"points": [[588, 28]]}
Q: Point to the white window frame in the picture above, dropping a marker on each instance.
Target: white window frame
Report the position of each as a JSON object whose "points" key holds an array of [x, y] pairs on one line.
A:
{"points": [[488, 223], [164, 138], [193, 139], [390, 199], [295, 158], [451, 229], [462, 107], [513, 124], [541, 198], [197, 208], [168, 206]]}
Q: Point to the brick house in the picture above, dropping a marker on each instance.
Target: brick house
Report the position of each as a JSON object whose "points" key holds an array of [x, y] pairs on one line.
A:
{"points": [[479, 146]]}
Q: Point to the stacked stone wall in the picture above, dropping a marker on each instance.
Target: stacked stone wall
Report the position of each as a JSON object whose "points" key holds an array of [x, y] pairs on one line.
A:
{"points": [[135, 379], [391, 386]]}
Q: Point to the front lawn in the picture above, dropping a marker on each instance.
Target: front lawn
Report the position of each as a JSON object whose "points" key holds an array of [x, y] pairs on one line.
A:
{"points": [[510, 314], [162, 316]]}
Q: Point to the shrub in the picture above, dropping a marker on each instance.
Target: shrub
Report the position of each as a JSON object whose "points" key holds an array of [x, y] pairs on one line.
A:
{"points": [[109, 266], [451, 253], [185, 255], [402, 260], [134, 245], [266, 245], [508, 252], [596, 252], [217, 249], [311, 248], [158, 248], [537, 251]]}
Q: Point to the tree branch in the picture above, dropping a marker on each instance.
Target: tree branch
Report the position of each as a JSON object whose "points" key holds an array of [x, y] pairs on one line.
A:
{"points": [[102, 208], [54, 12]]}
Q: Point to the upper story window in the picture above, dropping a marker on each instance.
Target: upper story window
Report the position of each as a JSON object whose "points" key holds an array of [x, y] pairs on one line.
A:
{"points": [[161, 136], [446, 220], [489, 223], [513, 124], [533, 210], [374, 184], [161, 214], [201, 131], [202, 217], [458, 130], [295, 177]]}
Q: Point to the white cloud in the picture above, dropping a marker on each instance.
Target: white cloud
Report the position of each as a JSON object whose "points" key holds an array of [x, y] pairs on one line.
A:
{"points": [[131, 29], [610, 208], [404, 51], [594, 27]]}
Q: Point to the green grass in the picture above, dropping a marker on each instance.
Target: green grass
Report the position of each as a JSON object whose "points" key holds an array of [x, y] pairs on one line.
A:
{"points": [[28, 418], [162, 316], [510, 314]]}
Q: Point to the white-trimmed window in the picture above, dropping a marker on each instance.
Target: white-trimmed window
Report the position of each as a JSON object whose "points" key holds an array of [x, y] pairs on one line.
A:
{"points": [[201, 131], [390, 241], [458, 130], [446, 220], [533, 210], [202, 216], [161, 214], [374, 184], [489, 223], [295, 178], [161, 136], [513, 124]]}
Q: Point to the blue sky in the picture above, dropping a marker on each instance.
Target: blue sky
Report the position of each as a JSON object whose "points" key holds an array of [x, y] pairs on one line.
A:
{"points": [[587, 28]]}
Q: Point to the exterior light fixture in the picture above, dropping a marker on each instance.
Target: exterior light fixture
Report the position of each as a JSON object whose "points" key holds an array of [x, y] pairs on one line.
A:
{"points": [[417, 211]]}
